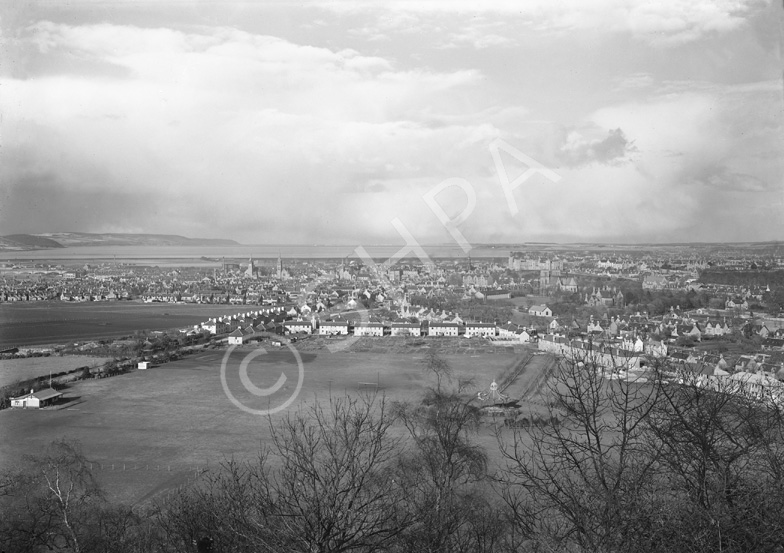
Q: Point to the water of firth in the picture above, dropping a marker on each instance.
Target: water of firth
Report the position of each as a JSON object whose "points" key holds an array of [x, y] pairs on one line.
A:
{"points": [[182, 254]]}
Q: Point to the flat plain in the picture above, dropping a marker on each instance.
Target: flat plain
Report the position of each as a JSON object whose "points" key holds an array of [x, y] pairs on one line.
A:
{"points": [[150, 430], [49, 322]]}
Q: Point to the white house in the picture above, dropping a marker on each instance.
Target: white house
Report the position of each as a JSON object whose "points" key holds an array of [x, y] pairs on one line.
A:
{"points": [[629, 343], [236, 338], [143, 365], [442, 329], [479, 329], [215, 326], [594, 326], [406, 329], [540, 311], [758, 386], [554, 344], [36, 400], [330, 328], [368, 329], [508, 331], [298, 326], [524, 335], [656, 349]]}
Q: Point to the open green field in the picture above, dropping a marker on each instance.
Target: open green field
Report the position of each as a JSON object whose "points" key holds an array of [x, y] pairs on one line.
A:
{"points": [[14, 370], [147, 431], [56, 322]]}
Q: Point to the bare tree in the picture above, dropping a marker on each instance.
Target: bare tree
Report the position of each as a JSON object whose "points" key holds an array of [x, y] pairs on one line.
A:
{"points": [[446, 478], [689, 464], [23, 527], [69, 487], [720, 453], [437, 366], [336, 490], [326, 485], [50, 501], [231, 505], [53, 503], [573, 481]]}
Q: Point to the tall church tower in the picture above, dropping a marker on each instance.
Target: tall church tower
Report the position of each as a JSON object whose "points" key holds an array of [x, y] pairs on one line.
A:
{"points": [[342, 269], [280, 267], [549, 273]]}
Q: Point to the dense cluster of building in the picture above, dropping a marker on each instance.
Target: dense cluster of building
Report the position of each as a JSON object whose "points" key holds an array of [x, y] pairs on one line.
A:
{"points": [[254, 282], [309, 296]]}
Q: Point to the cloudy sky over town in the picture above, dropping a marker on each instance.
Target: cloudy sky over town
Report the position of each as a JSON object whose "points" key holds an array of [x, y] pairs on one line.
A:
{"points": [[324, 122]]}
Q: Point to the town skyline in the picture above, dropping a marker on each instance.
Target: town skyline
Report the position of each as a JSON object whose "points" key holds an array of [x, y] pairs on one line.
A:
{"points": [[347, 123]]}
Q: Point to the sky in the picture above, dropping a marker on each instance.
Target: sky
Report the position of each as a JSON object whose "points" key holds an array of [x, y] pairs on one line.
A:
{"points": [[437, 121]]}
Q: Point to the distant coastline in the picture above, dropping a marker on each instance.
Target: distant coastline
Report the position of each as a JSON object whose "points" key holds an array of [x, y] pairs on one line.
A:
{"points": [[59, 240], [162, 245], [197, 252], [206, 255]]}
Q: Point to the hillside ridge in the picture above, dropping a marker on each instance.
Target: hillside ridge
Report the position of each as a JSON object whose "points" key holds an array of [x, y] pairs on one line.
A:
{"points": [[53, 240]]}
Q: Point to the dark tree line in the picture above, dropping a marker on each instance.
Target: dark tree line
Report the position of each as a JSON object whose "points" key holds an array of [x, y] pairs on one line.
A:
{"points": [[614, 467], [743, 278]]}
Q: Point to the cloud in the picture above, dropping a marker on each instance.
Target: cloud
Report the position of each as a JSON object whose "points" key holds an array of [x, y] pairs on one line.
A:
{"points": [[32, 196], [221, 126], [672, 22], [663, 23], [387, 23], [268, 132], [477, 40], [708, 151], [480, 33], [577, 150], [719, 178], [635, 81]]}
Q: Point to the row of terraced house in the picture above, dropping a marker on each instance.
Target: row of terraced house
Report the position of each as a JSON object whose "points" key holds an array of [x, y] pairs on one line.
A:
{"points": [[282, 320], [426, 328]]}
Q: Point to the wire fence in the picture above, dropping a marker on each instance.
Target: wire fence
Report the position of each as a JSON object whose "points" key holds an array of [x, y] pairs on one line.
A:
{"points": [[194, 469]]}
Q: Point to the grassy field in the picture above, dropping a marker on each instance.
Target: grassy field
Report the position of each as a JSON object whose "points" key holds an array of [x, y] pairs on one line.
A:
{"points": [[35, 323], [147, 431], [14, 370]]}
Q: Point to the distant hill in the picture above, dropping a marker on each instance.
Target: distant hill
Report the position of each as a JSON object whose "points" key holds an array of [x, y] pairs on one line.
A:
{"points": [[72, 239], [27, 242]]}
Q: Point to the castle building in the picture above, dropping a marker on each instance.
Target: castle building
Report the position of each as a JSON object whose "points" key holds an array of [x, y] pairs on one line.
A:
{"points": [[550, 274], [250, 272], [281, 272]]}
